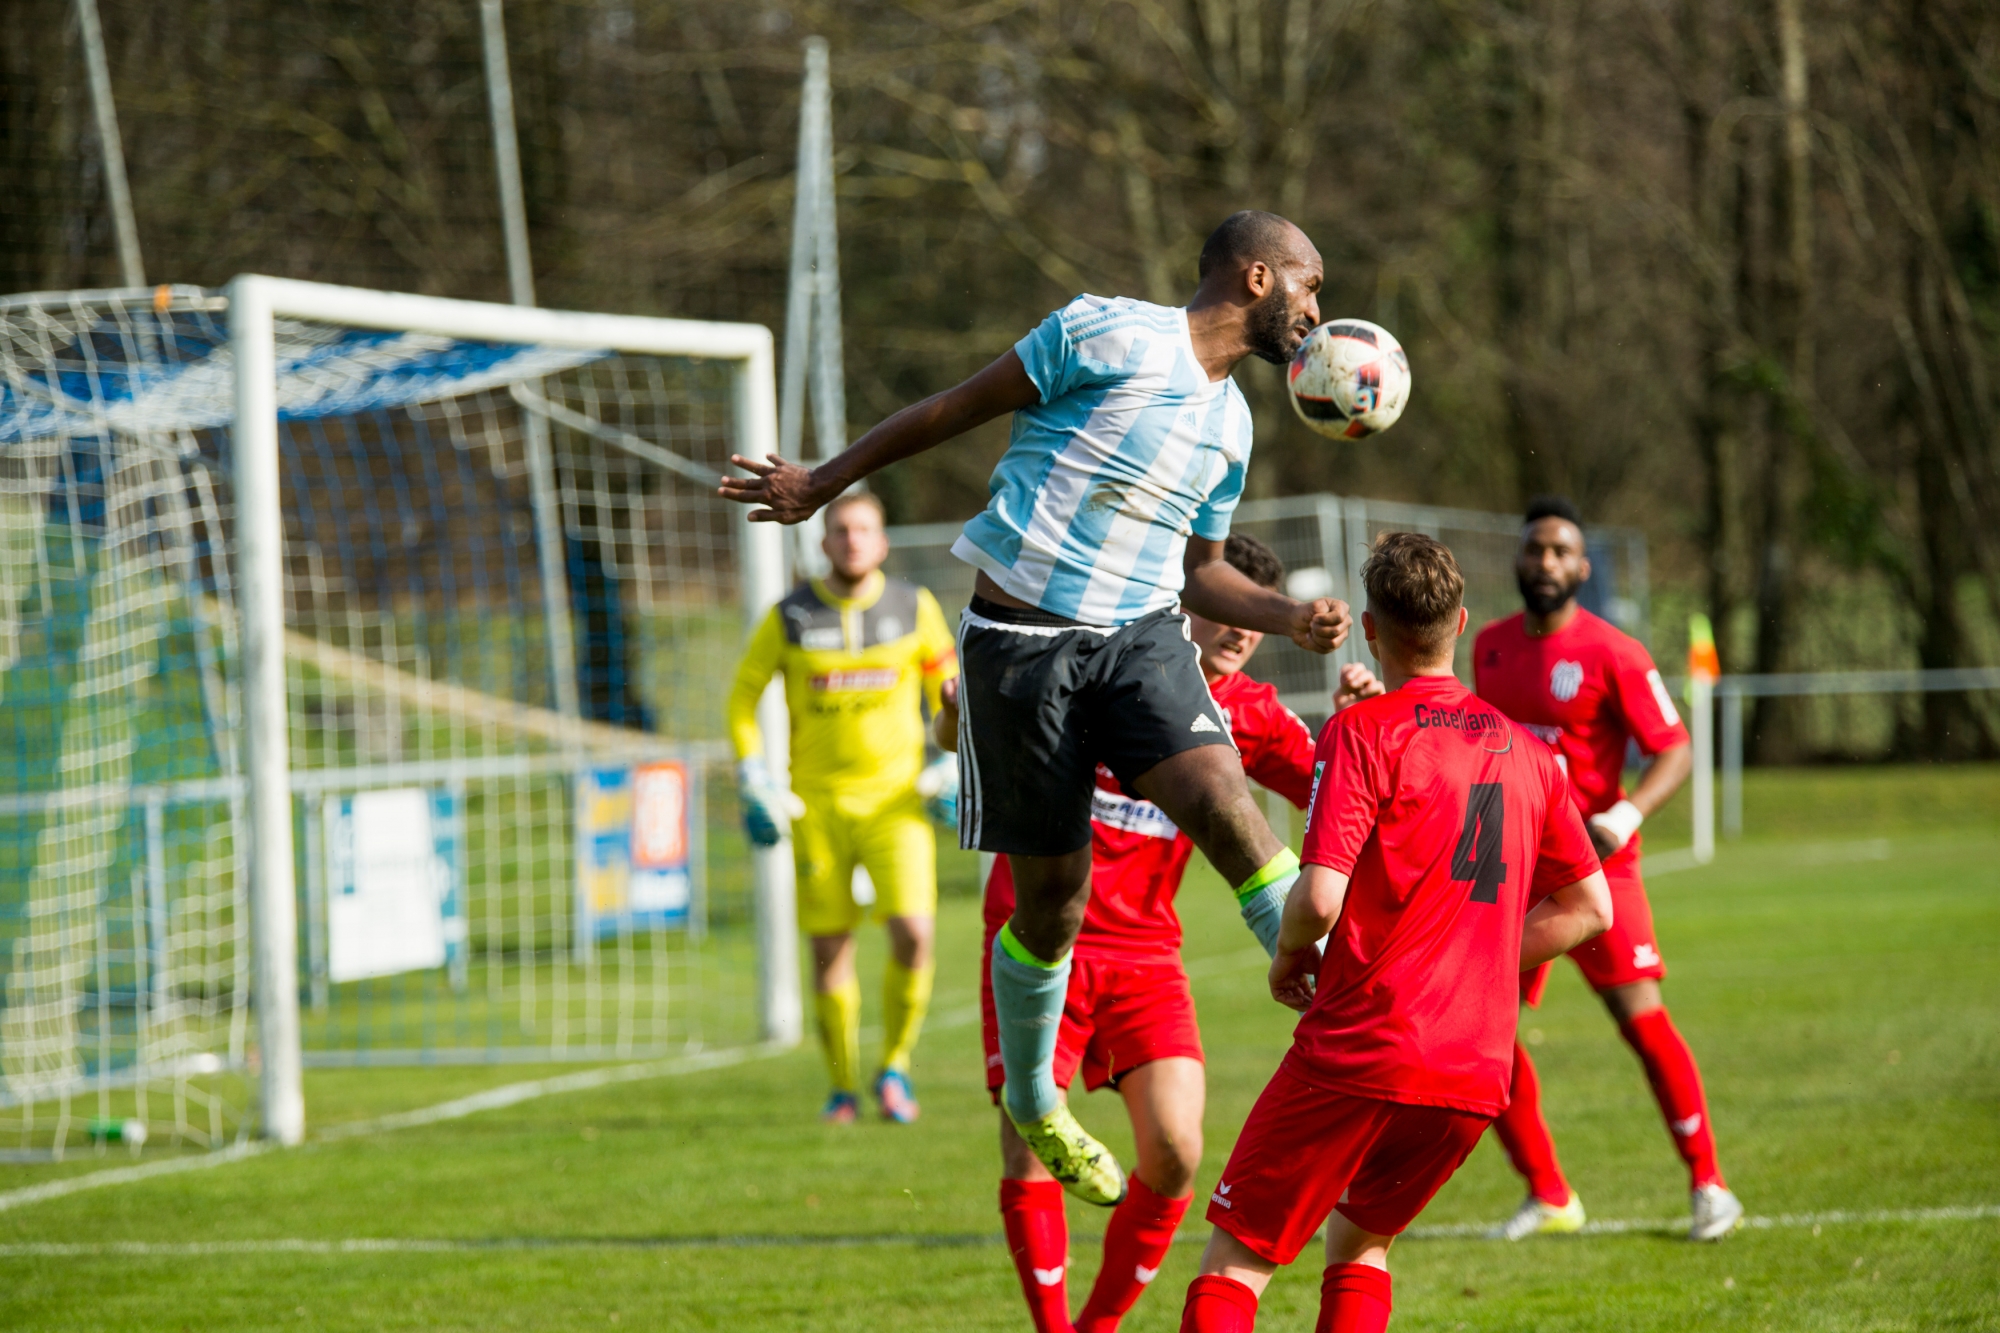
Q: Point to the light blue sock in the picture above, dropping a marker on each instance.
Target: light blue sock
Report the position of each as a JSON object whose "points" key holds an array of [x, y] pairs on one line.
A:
{"points": [[1028, 1001], [1262, 898]]}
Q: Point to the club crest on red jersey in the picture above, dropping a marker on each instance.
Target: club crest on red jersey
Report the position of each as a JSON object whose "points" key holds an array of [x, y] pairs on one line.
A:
{"points": [[1565, 680]]}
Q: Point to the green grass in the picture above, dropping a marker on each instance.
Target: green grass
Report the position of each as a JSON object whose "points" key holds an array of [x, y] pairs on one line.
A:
{"points": [[1846, 1013]]}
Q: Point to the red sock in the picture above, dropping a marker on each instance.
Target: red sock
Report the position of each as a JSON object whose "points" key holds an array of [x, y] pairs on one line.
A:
{"points": [[1218, 1304], [1038, 1237], [1670, 1068], [1141, 1232], [1525, 1135], [1353, 1298]]}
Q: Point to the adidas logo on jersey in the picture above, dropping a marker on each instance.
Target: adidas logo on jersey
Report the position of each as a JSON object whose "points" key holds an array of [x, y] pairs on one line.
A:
{"points": [[1203, 722]]}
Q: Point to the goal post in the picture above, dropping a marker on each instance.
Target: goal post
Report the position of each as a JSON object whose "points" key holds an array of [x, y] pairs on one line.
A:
{"points": [[363, 663], [256, 303]]}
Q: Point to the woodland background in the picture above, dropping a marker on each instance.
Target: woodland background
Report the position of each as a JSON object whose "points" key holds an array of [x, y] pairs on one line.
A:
{"points": [[1727, 271]]}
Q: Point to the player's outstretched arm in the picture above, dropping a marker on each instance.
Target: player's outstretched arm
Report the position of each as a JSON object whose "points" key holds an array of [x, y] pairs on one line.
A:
{"points": [[1310, 912], [1216, 590], [1565, 919], [791, 493]]}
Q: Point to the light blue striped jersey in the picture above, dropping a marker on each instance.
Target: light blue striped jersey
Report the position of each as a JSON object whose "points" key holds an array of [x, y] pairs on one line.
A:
{"points": [[1131, 449]]}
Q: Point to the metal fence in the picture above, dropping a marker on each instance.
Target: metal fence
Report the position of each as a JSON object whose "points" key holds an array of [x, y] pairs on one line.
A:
{"points": [[1731, 691]]}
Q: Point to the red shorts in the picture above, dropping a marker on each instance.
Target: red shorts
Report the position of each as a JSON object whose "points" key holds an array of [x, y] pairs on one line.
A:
{"points": [[1621, 955], [1120, 1013], [1306, 1151]]}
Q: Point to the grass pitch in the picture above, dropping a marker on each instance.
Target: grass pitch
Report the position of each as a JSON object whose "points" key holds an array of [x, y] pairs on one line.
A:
{"points": [[1838, 975]]}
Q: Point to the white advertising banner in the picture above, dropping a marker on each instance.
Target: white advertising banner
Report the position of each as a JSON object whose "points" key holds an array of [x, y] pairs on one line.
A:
{"points": [[389, 881]]}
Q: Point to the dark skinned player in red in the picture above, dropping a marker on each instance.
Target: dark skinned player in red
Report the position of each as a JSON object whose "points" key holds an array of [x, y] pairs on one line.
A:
{"points": [[1129, 1019], [1586, 688], [1442, 853]]}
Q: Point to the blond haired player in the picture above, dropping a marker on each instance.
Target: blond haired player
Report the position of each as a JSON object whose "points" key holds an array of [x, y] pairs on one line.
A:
{"points": [[861, 655]]}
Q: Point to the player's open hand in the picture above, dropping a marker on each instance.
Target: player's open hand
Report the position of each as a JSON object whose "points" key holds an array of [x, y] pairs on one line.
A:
{"points": [[1321, 626], [1294, 972], [785, 489], [1357, 682]]}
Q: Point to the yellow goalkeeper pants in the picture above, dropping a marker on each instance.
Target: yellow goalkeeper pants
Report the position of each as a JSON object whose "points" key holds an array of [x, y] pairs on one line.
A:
{"points": [[893, 841]]}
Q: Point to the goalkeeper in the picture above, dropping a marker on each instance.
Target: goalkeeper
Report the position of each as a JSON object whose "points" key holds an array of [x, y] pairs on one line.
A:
{"points": [[861, 654]]}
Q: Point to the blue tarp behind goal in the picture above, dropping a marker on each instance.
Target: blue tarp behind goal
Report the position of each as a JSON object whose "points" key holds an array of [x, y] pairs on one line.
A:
{"points": [[176, 372]]}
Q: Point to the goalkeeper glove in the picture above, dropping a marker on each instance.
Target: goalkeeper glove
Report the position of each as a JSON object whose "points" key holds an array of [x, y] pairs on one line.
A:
{"points": [[767, 812], [938, 785]]}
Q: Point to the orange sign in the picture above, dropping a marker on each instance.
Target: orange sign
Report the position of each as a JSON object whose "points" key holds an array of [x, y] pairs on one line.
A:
{"points": [[659, 816]]}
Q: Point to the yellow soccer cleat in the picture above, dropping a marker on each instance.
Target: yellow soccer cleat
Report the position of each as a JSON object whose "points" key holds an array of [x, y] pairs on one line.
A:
{"points": [[1085, 1167], [1535, 1218]]}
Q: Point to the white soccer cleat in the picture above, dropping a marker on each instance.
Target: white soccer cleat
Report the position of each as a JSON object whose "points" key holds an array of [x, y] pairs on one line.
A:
{"points": [[1535, 1218], [1717, 1212]]}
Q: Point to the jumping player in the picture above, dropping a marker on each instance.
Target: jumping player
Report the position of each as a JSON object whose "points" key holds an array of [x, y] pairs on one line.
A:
{"points": [[1108, 513], [1129, 1022], [859, 653], [1442, 852], [1585, 688]]}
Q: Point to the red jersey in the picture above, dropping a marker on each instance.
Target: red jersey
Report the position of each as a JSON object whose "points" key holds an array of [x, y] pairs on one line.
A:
{"points": [[1450, 822], [1585, 690], [1137, 855]]}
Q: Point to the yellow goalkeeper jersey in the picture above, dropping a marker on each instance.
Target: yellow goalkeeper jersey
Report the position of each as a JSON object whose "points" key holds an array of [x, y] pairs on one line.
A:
{"points": [[855, 670]]}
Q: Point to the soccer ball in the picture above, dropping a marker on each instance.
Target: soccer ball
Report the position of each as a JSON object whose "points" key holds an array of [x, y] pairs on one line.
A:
{"points": [[1350, 378]]}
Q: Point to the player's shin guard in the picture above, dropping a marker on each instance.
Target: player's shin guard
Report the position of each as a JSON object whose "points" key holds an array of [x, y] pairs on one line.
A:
{"points": [[1525, 1135], [1261, 898], [839, 1014], [1028, 998], [1218, 1304], [1038, 1238], [906, 996], [1353, 1298], [1670, 1068], [1135, 1245]]}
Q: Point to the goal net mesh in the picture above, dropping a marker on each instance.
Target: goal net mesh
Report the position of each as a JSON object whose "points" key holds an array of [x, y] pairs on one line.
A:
{"points": [[463, 891]]}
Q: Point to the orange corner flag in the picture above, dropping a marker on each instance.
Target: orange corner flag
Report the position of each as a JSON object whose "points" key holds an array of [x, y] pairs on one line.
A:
{"points": [[1703, 663]]}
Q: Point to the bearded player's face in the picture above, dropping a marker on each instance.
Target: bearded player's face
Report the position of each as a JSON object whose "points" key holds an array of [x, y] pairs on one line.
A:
{"points": [[1280, 320], [1551, 565]]}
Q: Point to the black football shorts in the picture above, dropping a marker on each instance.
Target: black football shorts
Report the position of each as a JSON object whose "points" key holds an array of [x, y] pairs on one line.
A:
{"points": [[1044, 700]]}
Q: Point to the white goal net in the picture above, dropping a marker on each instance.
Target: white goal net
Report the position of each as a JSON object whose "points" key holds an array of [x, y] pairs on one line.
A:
{"points": [[508, 605]]}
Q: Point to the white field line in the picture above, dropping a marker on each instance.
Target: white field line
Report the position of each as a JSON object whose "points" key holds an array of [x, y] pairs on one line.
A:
{"points": [[126, 1175], [365, 1245], [583, 1080], [511, 1094], [1788, 1221]]}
